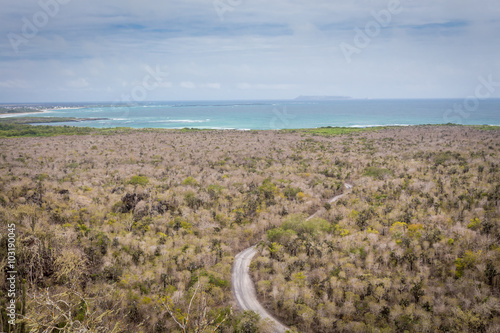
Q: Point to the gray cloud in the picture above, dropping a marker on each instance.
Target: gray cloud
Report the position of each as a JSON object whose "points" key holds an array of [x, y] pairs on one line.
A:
{"points": [[91, 50]]}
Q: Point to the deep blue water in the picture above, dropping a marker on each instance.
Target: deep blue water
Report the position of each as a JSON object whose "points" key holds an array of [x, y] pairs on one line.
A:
{"points": [[281, 114]]}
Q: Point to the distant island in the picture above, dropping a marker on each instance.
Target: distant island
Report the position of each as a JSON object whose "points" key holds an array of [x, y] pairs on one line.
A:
{"points": [[322, 98]]}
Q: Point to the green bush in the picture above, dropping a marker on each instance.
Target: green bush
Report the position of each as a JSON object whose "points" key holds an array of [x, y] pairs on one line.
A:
{"points": [[474, 224], [378, 173], [280, 236], [268, 190], [248, 323], [301, 226], [139, 180], [442, 157], [291, 192], [190, 181]]}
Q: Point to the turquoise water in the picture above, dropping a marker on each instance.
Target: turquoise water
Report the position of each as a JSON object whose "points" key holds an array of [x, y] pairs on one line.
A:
{"points": [[281, 114]]}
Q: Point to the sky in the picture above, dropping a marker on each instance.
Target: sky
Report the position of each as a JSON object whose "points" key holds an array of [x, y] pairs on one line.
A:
{"points": [[170, 50]]}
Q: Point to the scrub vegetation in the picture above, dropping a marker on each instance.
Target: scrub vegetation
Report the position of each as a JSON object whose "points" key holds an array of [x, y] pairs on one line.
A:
{"points": [[136, 230]]}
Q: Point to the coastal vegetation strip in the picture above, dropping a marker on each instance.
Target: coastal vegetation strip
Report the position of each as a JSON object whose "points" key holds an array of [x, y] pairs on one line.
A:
{"points": [[334, 131], [24, 127], [45, 120], [19, 109]]}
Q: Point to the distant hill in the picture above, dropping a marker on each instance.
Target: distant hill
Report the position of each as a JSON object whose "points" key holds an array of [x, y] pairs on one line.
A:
{"points": [[321, 98]]}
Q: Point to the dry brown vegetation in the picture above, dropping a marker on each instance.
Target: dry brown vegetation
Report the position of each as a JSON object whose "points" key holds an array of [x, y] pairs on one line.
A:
{"points": [[131, 232]]}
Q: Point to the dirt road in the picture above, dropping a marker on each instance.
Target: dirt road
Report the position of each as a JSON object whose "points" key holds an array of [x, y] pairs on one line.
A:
{"points": [[243, 288]]}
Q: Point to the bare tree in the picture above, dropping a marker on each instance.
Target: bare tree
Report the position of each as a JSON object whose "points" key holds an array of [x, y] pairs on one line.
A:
{"points": [[70, 308], [199, 320]]}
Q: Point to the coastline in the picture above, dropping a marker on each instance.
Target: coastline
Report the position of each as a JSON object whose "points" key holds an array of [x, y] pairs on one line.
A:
{"points": [[46, 120], [21, 114], [244, 116], [34, 113]]}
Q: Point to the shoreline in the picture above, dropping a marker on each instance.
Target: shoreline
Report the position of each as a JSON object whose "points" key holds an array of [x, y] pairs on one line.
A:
{"points": [[34, 113], [21, 114], [32, 118]]}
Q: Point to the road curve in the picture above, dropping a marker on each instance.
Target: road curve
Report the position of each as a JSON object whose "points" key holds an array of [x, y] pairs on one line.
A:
{"points": [[243, 288], [332, 200]]}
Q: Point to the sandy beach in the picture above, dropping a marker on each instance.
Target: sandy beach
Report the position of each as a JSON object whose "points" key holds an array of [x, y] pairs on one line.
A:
{"points": [[8, 115], [21, 114]]}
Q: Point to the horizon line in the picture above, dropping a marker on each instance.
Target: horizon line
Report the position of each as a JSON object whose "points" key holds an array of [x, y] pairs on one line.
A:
{"points": [[341, 99]]}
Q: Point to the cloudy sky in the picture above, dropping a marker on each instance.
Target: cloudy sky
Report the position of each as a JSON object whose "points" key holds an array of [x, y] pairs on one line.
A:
{"points": [[76, 50]]}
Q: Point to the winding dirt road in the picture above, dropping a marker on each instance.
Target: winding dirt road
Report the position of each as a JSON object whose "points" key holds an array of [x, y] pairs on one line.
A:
{"points": [[243, 288]]}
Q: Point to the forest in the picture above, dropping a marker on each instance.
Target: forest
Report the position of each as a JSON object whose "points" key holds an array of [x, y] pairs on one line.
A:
{"points": [[136, 230]]}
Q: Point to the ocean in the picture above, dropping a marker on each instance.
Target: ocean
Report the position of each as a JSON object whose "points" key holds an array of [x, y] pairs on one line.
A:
{"points": [[263, 115]]}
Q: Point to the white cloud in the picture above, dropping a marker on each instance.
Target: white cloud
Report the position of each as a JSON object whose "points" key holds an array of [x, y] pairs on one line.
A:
{"points": [[188, 85], [78, 83], [166, 84], [67, 72], [278, 49], [14, 84], [261, 86], [211, 85]]}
